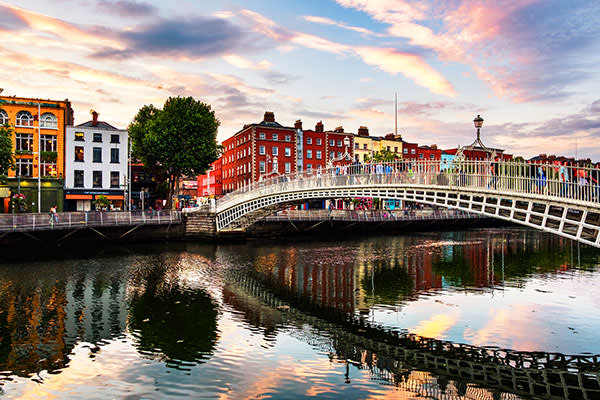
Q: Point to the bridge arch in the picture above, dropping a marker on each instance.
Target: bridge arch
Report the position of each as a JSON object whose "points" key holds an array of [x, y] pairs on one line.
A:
{"points": [[567, 211]]}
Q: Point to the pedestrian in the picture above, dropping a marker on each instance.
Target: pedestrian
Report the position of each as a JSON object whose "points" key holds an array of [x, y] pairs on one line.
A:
{"points": [[53, 215], [151, 211]]}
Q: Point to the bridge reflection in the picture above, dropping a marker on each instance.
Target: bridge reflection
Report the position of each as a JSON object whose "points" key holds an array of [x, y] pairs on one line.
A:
{"points": [[425, 367]]}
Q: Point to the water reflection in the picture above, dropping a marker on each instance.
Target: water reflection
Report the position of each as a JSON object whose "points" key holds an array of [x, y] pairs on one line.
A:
{"points": [[424, 284], [169, 320]]}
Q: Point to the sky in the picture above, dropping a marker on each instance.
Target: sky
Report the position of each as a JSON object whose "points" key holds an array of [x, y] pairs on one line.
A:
{"points": [[529, 67]]}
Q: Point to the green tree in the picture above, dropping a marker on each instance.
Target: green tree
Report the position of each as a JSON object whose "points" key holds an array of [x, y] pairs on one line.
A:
{"points": [[7, 156], [383, 155], [179, 140], [102, 201]]}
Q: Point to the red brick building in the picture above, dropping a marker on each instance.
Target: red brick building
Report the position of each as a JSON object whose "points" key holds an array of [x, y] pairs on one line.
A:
{"points": [[428, 153], [339, 147], [480, 154], [410, 151], [211, 183]]}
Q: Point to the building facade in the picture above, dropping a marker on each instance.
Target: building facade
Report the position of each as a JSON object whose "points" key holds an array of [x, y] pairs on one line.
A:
{"points": [[39, 132], [211, 183], [96, 165]]}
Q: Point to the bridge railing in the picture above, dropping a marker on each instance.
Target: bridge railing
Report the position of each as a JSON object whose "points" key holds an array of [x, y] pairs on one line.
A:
{"points": [[67, 220], [370, 215], [548, 180]]}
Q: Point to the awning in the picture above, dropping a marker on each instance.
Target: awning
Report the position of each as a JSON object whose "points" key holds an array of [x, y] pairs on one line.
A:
{"points": [[78, 197], [114, 197], [4, 192]]}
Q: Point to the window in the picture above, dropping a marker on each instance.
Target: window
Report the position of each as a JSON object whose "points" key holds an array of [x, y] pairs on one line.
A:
{"points": [[395, 149], [79, 137], [288, 152], [388, 148], [275, 150], [261, 150], [318, 154], [23, 142], [114, 156], [262, 167], [48, 168], [308, 140], [405, 150], [97, 138], [339, 143], [261, 135], [288, 167], [97, 179], [420, 155], [288, 138], [48, 142], [114, 179], [3, 117], [339, 154], [275, 136], [332, 142], [331, 155], [78, 178], [48, 121], [24, 118], [309, 154], [24, 167], [97, 155], [412, 151], [115, 139], [275, 167], [78, 154], [309, 167], [432, 156], [319, 141], [356, 145]]}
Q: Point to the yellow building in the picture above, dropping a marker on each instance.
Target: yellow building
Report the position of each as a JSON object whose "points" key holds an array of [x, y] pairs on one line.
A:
{"points": [[38, 123], [366, 146]]}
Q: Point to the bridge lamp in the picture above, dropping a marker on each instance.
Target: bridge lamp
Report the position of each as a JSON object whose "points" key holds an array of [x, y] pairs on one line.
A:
{"points": [[478, 121]]}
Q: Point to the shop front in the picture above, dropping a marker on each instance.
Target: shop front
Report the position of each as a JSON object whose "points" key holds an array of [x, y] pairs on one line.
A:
{"points": [[85, 200]]}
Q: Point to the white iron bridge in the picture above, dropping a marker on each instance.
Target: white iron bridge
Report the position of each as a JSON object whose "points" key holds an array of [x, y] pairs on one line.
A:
{"points": [[561, 199]]}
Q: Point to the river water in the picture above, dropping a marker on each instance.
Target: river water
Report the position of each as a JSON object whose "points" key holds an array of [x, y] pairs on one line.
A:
{"points": [[485, 313]]}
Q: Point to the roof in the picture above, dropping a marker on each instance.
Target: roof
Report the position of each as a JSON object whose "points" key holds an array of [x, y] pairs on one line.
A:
{"points": [[100, 125]]}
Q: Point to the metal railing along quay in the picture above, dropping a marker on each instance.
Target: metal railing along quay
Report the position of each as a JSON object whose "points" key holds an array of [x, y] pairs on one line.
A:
{"points": [[370, 215], [73, 220]]}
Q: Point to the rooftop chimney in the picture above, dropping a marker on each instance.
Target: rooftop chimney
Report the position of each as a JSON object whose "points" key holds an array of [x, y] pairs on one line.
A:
{"points": [[363, 131], [94, 118], [269, 117], [339, 129], [319, 127], [298, 124]]}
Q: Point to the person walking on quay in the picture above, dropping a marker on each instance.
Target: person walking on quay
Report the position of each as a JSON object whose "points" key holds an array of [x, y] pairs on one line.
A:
{"points": [[53, 215]]}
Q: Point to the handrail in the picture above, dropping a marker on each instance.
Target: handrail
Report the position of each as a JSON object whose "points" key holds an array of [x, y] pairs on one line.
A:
{"points": [[67, 220], [370, 215], [550, 181]]}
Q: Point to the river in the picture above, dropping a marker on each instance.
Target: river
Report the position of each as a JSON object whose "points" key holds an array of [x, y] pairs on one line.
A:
{"points": [[483, 313]]}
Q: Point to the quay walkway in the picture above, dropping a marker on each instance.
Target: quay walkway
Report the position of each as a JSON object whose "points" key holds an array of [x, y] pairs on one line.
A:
{"points": [[77, 220]]}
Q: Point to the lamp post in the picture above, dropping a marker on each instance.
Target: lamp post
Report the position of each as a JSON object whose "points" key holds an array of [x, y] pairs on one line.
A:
{"points": [[344, 156], [478, 121]]}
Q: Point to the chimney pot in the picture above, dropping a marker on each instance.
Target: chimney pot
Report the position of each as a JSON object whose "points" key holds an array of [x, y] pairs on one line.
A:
{"points": [[319, 127], [94, 118], [363, 131], [298, 124], [339, 129], [269, 116]]}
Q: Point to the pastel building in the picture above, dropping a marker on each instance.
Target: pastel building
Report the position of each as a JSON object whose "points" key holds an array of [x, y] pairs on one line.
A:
{"points": [[95, 164]]}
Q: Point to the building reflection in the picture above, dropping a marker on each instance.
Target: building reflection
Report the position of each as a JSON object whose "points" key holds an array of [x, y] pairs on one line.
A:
{"points": [[392, 270]]}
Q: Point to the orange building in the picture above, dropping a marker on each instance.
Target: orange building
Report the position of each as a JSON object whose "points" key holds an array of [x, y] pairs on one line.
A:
{"points": [[38, 123]]}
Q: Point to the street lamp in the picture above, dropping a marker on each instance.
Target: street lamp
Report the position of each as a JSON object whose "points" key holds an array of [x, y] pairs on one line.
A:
{"points": [[478, 121]]}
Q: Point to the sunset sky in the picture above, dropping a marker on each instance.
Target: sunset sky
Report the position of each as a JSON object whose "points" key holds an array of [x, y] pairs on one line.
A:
{"points": [[530, 68]]}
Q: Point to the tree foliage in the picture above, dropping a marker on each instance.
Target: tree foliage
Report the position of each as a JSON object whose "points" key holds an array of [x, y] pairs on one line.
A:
{"points": [[7, 156], [178, 140], [383, 155]]}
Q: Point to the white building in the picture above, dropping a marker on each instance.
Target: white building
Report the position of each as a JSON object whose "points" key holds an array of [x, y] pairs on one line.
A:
{"points": [[95, 164]]}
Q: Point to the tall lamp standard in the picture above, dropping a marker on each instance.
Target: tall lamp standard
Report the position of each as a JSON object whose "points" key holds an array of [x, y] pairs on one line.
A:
{"points": [[478, 121], [344, 156]]}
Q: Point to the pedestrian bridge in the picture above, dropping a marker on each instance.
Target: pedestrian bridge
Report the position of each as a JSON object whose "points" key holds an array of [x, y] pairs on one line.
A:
{"points": [[563, 200]]}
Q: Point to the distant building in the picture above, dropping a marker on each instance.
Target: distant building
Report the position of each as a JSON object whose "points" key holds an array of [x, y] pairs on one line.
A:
{"points": [[96, 164], [211, 183], [429, 153], [554, 159]]}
